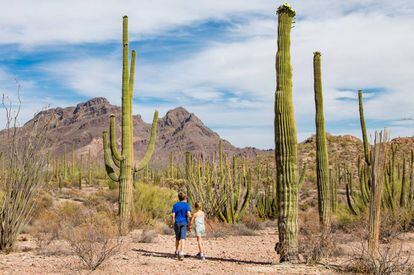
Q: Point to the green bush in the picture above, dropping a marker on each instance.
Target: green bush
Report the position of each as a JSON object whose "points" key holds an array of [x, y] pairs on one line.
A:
{"points": [[153, 201]]}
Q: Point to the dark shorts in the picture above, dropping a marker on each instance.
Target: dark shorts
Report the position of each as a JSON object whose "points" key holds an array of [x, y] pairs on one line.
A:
{"points": [[180, 230]]}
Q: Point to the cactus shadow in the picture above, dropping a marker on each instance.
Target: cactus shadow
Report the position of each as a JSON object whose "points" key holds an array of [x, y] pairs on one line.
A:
{"points": [[149, 253]]}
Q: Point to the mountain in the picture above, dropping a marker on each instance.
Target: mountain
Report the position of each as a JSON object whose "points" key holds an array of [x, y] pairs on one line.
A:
{"points": [[178, 131]]}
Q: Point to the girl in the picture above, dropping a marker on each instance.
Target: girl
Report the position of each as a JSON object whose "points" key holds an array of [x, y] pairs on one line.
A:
{"points": [[198, 218]]}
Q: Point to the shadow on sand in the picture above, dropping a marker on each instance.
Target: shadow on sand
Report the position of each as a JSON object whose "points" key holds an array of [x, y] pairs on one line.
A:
{"points": [[218, 259]]}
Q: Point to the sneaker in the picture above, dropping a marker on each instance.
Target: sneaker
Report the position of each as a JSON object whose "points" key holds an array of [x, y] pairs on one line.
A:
{"points": [[202, 257], [180, 256], [176, 253]]}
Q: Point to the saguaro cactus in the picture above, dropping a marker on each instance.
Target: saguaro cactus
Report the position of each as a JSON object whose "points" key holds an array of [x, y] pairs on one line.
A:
{"points": [[378, 158], [363, 128], [125, 160], [322, 162], [286, 142]]}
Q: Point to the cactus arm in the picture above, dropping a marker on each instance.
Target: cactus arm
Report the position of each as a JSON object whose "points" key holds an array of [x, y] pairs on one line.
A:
{"points": [[349, 199], [151, 145], [108, 166], [248, 194], [116, 157], [363, 128]]}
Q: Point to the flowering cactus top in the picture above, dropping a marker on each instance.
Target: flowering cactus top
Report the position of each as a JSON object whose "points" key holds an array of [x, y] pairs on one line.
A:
{"points": [[286, 8]]}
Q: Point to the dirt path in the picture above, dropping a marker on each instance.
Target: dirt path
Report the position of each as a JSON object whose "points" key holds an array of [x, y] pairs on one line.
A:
{"points": [[231, 255]]}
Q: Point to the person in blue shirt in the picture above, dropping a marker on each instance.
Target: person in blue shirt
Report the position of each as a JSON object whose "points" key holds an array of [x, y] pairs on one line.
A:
{"points": [[181, 214]]}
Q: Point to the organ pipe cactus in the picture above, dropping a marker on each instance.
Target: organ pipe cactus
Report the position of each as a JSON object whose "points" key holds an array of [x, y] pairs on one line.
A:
{"points": [[403, 193], [285, 142], [322, 162], [124, 161], [237, 190]]}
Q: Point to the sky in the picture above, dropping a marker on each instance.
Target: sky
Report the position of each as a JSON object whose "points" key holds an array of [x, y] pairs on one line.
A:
{"points": [[215, 58]]}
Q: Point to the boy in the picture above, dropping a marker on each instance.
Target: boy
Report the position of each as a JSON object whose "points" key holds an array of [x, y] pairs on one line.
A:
{"points": [[181, 213]]}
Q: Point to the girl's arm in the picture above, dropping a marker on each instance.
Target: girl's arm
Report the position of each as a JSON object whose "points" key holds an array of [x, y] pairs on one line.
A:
{"points": [[191, 221]]}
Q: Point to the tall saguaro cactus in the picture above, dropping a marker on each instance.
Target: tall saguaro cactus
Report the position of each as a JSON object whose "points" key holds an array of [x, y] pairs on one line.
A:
{"points": [[322, 162], [124, 161], [286, 142], [378, 156], [363, 128]]}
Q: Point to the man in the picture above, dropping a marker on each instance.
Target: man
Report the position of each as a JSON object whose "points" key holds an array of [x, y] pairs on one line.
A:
{"points": [[181, 214]]}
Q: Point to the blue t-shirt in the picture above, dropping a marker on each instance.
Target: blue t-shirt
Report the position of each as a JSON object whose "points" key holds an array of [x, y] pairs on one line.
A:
{"points": [[180, 209]]}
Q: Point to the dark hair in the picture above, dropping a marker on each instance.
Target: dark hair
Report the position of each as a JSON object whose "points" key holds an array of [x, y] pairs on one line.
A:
{"points": [[197, 205], [182, 196]]}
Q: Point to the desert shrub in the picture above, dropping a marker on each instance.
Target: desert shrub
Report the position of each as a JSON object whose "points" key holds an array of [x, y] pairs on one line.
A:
{"points": [[218, 230], [394, 223], [94, 240], [316, 246], [242, 230], [45, 229], [44, 201], [346, 222], [251, 222], [390, 260], [164, 228], [141, 220], [146, 236], [153, 200], [25, 172]]}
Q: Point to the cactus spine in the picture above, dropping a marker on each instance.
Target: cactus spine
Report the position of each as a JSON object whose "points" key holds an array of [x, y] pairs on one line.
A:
{"points": [[322, 162], [286, 142], [125, 160]]}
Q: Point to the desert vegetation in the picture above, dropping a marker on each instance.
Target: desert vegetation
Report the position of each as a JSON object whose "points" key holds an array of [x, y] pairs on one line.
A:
{"points": [[328, 204]]}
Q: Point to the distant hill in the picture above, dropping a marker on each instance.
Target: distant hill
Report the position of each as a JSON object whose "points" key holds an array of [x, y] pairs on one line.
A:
{"points": [[178, 131]]}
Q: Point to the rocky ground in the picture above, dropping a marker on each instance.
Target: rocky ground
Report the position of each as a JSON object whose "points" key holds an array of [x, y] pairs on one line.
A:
{"points": [[232, 254]]}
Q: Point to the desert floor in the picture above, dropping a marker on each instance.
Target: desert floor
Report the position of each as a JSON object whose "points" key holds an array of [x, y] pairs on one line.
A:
{"points": [[231, 255]]}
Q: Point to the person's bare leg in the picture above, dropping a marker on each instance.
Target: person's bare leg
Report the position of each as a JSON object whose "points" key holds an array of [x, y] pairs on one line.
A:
{"points": [[177, 243], [200, 245], [181, 246]]}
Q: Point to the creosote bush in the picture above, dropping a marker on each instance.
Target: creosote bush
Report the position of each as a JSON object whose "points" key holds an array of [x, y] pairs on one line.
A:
{"points": [[152, 202], [94, 240], [391, 259]]}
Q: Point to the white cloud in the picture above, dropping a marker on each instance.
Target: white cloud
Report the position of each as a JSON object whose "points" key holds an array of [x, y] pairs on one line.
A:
{"points": [[364, 44]]}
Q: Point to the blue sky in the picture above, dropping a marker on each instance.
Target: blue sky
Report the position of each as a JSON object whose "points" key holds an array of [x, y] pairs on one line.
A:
{"points": [[215, 58]]}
